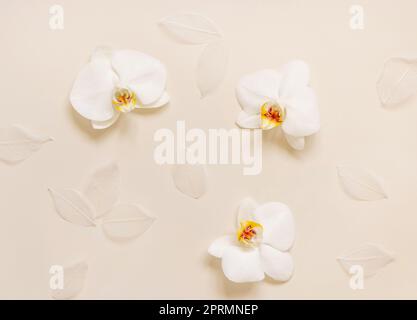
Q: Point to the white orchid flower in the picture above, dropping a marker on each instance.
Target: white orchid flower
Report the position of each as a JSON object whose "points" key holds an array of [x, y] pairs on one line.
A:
{"points": [[115, 82], [271, 98], [264, 235]]}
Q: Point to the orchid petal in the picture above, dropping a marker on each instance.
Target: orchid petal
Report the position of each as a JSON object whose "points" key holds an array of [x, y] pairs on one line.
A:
{"points": [[246, 210], [278, 225], [91, 94], [162, 101], [257, 88], [219, 245], [303, 118], [99, 125], [141, 73], [242, 264], [295, 76], [248, 121], [296, 143], [276, 264]]}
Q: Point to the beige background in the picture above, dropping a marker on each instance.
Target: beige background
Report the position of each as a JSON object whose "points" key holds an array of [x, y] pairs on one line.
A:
{"points": [[38, 67]]}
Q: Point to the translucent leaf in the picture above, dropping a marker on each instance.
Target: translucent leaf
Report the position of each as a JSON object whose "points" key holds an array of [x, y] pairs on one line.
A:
{"points": [[73, 207], [102, 189], [398, 81], [369, 256], [17, 144], [211, 67], [74, 279], [190, 179], [126, 222], [361, 184], [191, 28]]}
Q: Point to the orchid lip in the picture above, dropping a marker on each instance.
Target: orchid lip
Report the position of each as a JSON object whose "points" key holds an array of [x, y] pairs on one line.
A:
{"points": [[272, 115], [124, 100], [249, 233]]}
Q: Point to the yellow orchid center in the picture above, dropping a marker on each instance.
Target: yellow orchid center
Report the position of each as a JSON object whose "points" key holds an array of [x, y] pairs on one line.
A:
{"points": [[249, 233], [124, 100], [272, 115]]}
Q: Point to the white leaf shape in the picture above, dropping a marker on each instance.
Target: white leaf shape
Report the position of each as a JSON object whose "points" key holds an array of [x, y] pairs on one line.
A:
{"points": [[190, 179], [370, 257], [191, 28], [74, 279], [73, 207], [126, 222], [102, 189], [361, 184], [398, 81], [211, 68], [17, 143]]}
